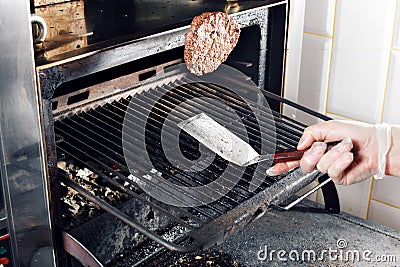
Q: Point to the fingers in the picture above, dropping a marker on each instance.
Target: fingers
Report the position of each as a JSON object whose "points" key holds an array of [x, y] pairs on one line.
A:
{"points": [[306, 140], [312, 156], [336, 160], [333, 154], [311, 134], [328, 131], [307, 162], [339, 166], [283, 167]]}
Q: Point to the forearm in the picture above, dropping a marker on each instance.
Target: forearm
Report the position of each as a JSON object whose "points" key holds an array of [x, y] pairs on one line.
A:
{"points": [[393, 156]]}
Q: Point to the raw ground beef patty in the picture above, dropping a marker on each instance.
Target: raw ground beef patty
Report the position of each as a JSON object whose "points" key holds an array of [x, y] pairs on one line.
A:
{"points": [[211, 38]]}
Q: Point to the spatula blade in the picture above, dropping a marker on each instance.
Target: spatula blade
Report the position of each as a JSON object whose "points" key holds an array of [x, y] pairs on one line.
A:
{"points": [[219, 139]]}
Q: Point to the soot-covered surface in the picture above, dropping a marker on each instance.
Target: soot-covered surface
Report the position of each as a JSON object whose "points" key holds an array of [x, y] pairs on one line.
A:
{"points": [[304, 230]]}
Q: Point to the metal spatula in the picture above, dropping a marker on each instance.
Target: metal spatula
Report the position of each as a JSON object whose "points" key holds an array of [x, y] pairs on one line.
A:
{"points": [[229, 146]]}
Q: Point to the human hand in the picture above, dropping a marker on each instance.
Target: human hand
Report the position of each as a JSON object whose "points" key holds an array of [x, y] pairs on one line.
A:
{"points": [[352, 160]]}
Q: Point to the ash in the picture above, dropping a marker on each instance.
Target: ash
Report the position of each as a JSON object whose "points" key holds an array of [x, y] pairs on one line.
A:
{"points": [[76, 209], [213, 258], [147, 249], [103, 234]]}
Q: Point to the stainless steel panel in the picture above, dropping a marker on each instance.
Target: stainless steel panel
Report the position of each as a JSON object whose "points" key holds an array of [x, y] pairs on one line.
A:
{"points": [[23, 168]]}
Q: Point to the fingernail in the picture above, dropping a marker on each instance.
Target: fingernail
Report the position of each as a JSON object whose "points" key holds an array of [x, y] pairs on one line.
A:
{"points": [[271, 172], [318, 148], [346, 158], [345, 145]]}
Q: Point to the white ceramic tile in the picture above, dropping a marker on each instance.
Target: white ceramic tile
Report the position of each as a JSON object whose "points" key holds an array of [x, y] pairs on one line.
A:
{"points": [[384, 214], [319, 16], [314, 71], [353, 198], [391, 108], [387, 190], [364, 24], [360, 57], [396, 37], [357, 83]]}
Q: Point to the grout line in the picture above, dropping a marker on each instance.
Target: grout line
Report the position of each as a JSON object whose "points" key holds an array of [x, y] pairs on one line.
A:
{"points": [[334, 18], [371, 185], [330, 60], [385, 203], [395, 49], [385, 88], [343, 116], [389, 64], [396, 17], [318, 35]]}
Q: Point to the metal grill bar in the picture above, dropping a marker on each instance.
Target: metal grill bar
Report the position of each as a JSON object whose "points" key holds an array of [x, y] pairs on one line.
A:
{"points": [[158, 207], [111, 119], [108, 110], [112, 151], [150, 121], [75, 149], [205, 177]]}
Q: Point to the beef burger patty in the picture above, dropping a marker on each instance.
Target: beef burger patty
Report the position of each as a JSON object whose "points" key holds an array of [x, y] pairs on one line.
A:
{"points": [[211, 38]]}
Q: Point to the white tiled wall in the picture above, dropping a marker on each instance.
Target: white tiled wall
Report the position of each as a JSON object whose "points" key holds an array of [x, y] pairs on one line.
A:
{"points": [[350, 69], [382, 187], [314, 72], [391, 108], [361, 48], [320, 22], [357, 75], [364, 24], [396, 33], [384, 214]]}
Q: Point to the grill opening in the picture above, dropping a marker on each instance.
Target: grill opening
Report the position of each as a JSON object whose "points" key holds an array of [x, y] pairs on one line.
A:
{"points": [[77, 98], [146, 75]]}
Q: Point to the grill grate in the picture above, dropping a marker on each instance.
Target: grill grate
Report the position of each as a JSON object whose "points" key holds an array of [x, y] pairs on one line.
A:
{"points": [[94, 139]]}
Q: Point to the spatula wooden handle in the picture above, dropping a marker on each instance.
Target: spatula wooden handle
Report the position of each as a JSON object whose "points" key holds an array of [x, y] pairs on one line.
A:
{"points": [[286, 156], [293, 155]]}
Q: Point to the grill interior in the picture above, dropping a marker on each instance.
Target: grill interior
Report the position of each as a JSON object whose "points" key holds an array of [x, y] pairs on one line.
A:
{"points": [[92, 139]]}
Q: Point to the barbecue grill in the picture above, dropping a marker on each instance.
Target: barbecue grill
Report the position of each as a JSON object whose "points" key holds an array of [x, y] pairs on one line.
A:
{"points": [[108, 115]]}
